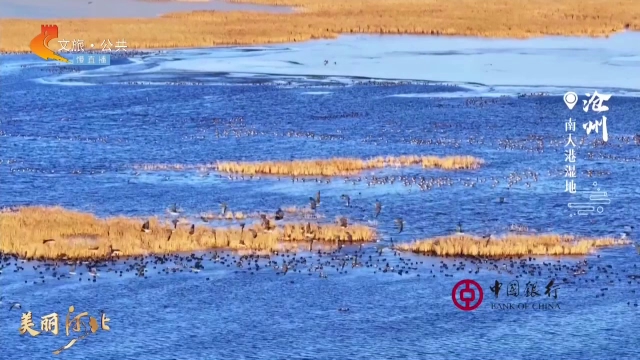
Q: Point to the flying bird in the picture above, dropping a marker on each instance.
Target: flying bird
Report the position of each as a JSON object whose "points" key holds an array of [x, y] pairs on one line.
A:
{"points": [[378, 208], [224, 208], [400, 224], [175, 223], [312, 203], [15, 305], [318, 197]]}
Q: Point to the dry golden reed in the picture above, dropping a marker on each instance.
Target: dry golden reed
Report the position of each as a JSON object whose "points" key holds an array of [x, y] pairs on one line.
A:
{"points": [[315, 19], [345, 166], [81, 235], [327, 167], [510, 245]]}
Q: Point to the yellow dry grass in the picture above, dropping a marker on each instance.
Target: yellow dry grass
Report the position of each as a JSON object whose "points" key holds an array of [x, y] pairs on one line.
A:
{"points": [[510, 245], [345, 166], [329, 18], [324, 167], [82, 235]]}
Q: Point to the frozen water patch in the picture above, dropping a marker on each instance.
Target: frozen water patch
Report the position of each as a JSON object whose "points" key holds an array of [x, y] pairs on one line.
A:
{"points": [[487, 67], [316, 93], [556, 62], [58, 81], [454, 94]]}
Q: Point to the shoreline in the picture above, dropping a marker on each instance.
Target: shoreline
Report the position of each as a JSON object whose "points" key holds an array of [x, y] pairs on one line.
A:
{"points": [[327, 20], [151, 50]]}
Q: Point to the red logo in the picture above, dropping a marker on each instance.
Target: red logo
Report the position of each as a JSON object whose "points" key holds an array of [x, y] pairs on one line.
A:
{"points": [[467, 295]]}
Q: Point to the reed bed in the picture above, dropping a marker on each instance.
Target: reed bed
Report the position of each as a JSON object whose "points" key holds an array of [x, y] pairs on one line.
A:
{"points": [[315, 19], [345, 166], [323, 167], [80, 235], [508, 246]]}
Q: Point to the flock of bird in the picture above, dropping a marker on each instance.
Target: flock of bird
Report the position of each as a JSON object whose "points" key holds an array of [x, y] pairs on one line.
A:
{"points": [[378, 259]]}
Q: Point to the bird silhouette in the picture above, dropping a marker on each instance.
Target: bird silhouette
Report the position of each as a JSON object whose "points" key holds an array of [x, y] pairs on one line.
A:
{"points": [[113, 252], [279, 214], [242, 233], [343, 222], [193, 229], [346, 198], [145, 227], [459, 227], [173, 210], [312, 203], [264, 221], [378, 208], [15, 305], [224, 208], [318, 198], [175, 223], [400, 224]]}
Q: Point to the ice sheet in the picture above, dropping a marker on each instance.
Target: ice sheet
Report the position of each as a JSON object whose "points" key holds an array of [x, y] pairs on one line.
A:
{"points": [[550, 63], [485, 67]]}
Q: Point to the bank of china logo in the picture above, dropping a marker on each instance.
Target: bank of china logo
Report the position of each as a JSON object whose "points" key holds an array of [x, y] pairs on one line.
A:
{"points": [[40, 44]]}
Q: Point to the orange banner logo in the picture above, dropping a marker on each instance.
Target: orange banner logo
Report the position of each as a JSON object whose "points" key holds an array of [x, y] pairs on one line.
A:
{"points": [[40, 44]]}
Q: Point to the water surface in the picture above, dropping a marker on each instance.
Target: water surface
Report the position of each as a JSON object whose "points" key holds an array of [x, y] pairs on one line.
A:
{"points": [[74, 138]]}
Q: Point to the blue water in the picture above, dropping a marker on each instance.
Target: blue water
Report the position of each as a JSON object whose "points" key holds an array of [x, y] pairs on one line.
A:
{"points": [[78, 147]]}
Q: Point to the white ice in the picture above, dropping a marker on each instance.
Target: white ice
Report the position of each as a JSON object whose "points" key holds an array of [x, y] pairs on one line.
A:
{"points": [[551, 63], [488, 67]]}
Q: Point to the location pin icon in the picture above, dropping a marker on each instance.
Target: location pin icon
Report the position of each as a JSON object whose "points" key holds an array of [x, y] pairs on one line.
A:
{"points": [[570, 99]]}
